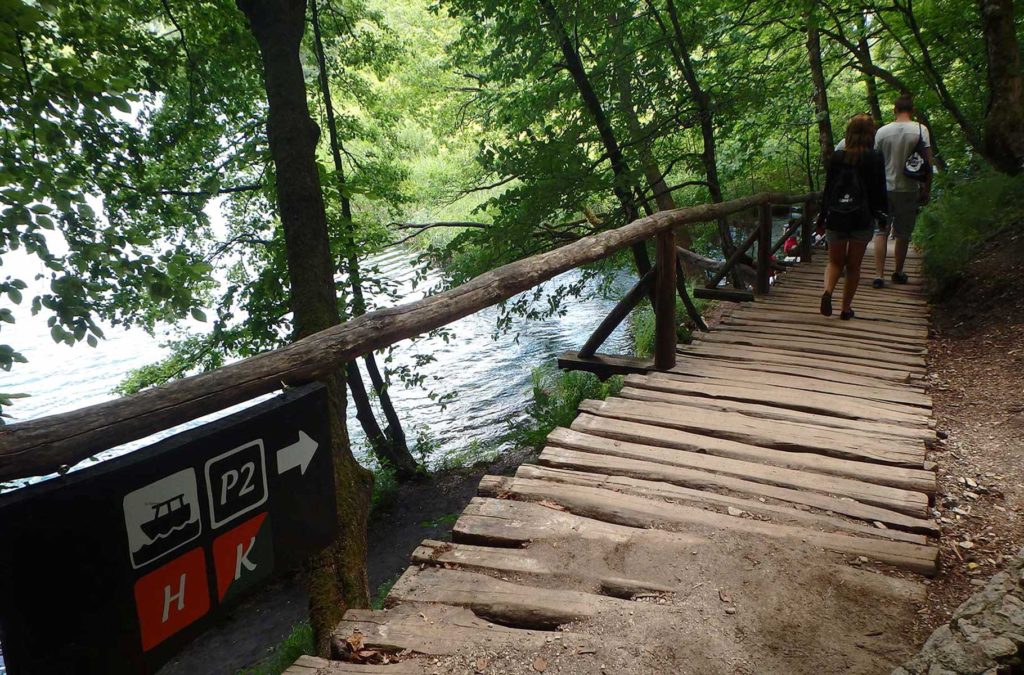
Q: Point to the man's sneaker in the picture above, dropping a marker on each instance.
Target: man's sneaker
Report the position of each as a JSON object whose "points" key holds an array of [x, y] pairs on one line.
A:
{"points": [[878, 282], [900, 278]]}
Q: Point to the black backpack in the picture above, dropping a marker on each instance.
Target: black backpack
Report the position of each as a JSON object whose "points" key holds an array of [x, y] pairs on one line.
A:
{"points": [[847, 200]]}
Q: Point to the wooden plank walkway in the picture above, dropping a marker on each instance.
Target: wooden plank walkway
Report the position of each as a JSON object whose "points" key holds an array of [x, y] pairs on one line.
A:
{"points": [[781, 429]]}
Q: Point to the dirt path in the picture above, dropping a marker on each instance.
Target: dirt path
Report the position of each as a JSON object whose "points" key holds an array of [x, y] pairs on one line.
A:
{"points": [[976, 369]]}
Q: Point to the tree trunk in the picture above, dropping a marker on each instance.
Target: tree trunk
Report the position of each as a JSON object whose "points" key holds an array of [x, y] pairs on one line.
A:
{"points": [[702, 101], [337, 576], [1004, 119], [391, 448], [655, 178], [825, 139], [869, 78], [620, 169]]}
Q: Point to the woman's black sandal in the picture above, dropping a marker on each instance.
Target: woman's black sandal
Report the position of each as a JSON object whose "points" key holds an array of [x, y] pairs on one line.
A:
{"points": [[846, 315], [826, 304]]}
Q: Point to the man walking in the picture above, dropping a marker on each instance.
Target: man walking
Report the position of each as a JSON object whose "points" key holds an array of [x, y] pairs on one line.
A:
{"points": [[898, 141]]}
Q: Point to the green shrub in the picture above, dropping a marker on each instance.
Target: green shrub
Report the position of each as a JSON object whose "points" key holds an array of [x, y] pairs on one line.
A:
{"points": [[298, 642], [963, 216], [377, 602], [474, 452], [385, 487], [556, 396]]}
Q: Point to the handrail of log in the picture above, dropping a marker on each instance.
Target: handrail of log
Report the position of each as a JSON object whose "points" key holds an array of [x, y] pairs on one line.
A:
{"points": [[762, 235], [47, 444]]}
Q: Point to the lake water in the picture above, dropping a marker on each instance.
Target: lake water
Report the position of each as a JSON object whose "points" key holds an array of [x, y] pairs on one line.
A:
{"points": [[489, 374]]}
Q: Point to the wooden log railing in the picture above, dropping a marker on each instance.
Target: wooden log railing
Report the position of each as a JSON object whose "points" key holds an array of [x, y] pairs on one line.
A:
{"points": [[47, 444], [765, 250]]}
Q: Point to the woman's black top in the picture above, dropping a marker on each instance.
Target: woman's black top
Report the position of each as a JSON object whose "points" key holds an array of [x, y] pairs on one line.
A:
{"points": [[870, 168]]}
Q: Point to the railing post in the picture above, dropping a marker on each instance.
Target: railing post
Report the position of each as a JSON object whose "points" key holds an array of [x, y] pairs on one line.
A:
{"points": [[764, 248], [665, 302], [806, 232]]}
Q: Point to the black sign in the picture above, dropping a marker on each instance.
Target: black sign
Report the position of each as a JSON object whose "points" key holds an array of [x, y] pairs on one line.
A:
{"points": [[114, 568]]}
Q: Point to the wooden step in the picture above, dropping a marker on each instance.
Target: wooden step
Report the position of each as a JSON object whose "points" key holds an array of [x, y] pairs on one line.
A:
{"points": [[916, 480], [517, 562], [640, 512], [814, 330], [876, 429], [703, 489], [513, 524], [314, 665], [817, 335], [827, 347], [880, 319], [779, 435], [798, 379], [772, 391], [502, 602], [857, 499], [836, 367], [432, 629], [759, 311]]}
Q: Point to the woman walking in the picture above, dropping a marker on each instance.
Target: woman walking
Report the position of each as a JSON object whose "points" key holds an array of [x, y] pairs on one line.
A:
{"points": [[854, 198]]}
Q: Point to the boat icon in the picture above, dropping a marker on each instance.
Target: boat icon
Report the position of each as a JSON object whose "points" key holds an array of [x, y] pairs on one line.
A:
{"points": [[168, 516], [162, 517]]}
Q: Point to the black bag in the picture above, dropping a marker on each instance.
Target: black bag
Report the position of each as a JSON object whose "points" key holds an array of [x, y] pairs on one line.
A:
{"points": [[847, 200], [916, 166]]}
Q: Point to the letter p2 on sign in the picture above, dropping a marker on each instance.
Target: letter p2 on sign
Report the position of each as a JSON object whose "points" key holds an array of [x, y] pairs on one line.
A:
{"points": [[237, 482]]}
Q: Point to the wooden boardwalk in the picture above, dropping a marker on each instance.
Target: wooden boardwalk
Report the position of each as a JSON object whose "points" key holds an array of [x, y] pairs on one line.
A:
{"points": [[801, 434]]}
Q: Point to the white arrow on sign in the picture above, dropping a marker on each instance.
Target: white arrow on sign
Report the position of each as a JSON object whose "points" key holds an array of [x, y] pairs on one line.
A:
{"points": [[298, 454]]}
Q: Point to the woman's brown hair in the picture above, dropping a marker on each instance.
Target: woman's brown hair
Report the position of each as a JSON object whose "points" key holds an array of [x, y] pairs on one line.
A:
{"points": [[860, 137]]}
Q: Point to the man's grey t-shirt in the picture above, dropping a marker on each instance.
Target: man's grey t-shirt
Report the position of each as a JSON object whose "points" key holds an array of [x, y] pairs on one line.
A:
{"points": [[896, 141]]}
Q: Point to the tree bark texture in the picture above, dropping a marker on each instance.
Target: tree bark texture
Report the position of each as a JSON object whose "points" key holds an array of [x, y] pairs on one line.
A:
{"points": [[702, 101], [655, 178], [825, 138], [337, 576], [869, 79], [391, 448], [623, 187], [1004, 119]]}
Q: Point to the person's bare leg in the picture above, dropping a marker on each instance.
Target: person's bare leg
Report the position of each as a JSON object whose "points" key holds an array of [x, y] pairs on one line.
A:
{"points": [[901, 254], [854, 258], [881, 244], [836, 261]]}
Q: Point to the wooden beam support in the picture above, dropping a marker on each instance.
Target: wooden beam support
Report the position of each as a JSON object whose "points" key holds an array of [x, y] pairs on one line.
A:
{"points": [[619, 312], [604, 365], [730, 294], [764, 244], [733, 259], [684, 295], [806, 232], [665, 335]]}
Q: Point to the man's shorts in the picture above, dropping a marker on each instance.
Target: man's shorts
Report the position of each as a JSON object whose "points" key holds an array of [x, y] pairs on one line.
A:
{"points": [[833, 236], [903, 207]]}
